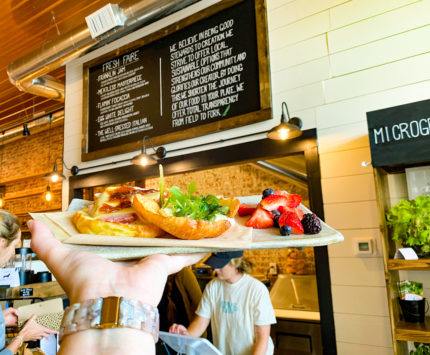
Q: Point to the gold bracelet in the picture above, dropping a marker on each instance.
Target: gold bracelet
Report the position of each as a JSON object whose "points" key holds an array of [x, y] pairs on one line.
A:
{"points": [[21, 340]]}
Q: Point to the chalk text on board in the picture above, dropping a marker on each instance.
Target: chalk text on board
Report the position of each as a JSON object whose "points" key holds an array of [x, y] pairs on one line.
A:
{"points": [[402, 131]]}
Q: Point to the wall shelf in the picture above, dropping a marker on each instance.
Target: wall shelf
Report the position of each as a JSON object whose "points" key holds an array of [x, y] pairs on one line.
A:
{"points": [[417, 265], [419, 332], [402, 332]]}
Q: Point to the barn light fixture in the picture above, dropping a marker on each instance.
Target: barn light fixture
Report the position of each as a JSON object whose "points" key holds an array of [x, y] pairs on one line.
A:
{"points": [[289, 128], [148, 159]]}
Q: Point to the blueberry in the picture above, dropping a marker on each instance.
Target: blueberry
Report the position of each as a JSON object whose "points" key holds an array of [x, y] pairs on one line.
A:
{"points": [[285, 230], [276, 220], [268, 192], [275, 213]]}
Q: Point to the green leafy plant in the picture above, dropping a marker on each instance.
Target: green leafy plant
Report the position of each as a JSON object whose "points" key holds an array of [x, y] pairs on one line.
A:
{"points": [[193, 206], [409, 222], [420, 349]]}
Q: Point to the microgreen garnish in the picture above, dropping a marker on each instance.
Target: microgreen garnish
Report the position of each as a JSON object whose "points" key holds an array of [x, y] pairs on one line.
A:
{"points": [[193, 206]]}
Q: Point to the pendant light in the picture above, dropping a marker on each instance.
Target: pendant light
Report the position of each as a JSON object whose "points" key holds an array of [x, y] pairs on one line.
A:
{"points": [[47, 194], [144, 158], [288, 129], [54, 175], [25, 130]]}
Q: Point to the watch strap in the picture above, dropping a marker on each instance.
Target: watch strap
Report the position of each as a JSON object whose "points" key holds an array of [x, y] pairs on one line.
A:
{"points": [[110, 312]]}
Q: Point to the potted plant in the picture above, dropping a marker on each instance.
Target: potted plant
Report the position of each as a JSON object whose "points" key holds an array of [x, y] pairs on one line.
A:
{"points": [[409, 223], [420, 349]]}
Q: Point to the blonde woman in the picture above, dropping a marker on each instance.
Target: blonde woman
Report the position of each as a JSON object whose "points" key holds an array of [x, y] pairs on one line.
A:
{"points": [[237, 306], [10, 237]]}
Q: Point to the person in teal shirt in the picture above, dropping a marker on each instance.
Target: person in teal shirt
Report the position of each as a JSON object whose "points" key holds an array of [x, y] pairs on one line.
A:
{"points": [[10, 237]]}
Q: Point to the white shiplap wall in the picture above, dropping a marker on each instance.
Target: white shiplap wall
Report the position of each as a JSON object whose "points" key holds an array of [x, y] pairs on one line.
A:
{"points": [[337, 60], [331, 61]]}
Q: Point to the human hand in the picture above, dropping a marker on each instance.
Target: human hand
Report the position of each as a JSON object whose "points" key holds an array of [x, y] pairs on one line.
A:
{"points": [[84, 275], [34, 331], [10, 316], [178, 329]]}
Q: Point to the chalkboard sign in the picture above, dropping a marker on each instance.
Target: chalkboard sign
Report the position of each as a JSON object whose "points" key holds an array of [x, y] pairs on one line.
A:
{"points": [[400, 135], [210, 75], [26, 292]]}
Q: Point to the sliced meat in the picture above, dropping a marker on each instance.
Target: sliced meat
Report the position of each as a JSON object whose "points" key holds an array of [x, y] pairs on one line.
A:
{"points": [[119, 218]]}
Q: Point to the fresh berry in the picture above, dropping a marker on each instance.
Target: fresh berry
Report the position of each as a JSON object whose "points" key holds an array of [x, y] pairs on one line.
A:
{"points": [[275, 216], [245, 209], [293, 199], [260, 219], [292, 220], [275, 213], [311, 223], [297, 211], [268, 192], [273, 202], [285, 230]]}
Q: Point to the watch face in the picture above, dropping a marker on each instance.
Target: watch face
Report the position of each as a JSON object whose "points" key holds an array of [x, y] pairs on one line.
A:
{"points": [[130, 313]]}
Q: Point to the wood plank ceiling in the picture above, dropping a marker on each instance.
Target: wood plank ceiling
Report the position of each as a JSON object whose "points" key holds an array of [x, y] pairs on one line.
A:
{"points": [[24, 26]]}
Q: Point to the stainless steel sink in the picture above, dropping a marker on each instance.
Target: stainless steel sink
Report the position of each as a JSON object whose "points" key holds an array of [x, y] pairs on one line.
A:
{"points": [[295, 292]]}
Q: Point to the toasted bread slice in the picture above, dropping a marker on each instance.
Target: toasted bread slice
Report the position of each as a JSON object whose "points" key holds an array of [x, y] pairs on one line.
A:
{"points": [[180, 227], [131, 228], [233, 204]]}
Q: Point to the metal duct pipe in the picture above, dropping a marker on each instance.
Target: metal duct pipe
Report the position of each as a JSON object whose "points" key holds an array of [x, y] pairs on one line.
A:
{"points": [[28, 73]]}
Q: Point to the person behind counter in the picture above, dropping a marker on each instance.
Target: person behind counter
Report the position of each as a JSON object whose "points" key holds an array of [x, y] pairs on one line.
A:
{"points": [[10, 237], [90, 280], [237, 306]]}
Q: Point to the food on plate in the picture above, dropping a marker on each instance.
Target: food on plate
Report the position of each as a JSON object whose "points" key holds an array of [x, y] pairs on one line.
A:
{"points": [[112, 214], [311, 223], [280, 209], [245, 209], [188, 216]]}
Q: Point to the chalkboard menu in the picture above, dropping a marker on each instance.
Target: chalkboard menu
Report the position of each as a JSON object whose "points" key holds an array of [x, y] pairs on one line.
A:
{"points": [[400, 135], [203, 78]]}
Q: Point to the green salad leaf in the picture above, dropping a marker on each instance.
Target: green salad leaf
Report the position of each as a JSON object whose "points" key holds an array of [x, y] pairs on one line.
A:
{"points": [[193, 206], [409, 222]]}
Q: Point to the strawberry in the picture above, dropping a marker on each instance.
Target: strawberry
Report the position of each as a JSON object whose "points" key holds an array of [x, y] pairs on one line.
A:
{"points": [[260, 219], [297, 211], [245, 209], [291, 219], [293, 200], [273, 202]]}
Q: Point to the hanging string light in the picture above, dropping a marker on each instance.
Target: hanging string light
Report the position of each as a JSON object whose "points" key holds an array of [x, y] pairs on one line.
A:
{"points": [[48, 194]]}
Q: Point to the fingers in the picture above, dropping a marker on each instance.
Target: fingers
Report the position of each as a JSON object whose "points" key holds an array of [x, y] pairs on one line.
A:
{"points": [[179, 261], [32, 318], [42, 239], [178, 329], [50, 250], [13, 311]]}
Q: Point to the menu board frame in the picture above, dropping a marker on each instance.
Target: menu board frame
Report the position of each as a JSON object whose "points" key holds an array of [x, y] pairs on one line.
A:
{"points": [[263, 113]]}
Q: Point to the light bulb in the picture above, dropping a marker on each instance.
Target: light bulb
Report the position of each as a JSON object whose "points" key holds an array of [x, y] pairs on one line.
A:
{"points": [[48, 196], [283, 132], [1, 202], [54, 178], [143, 161]]}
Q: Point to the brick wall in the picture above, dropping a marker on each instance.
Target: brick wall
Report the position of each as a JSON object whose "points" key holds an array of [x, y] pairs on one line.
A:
{"points": [[24, 162]]}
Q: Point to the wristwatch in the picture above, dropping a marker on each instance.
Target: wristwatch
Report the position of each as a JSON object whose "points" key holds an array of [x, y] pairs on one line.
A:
{"points": [[110, 312]]}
